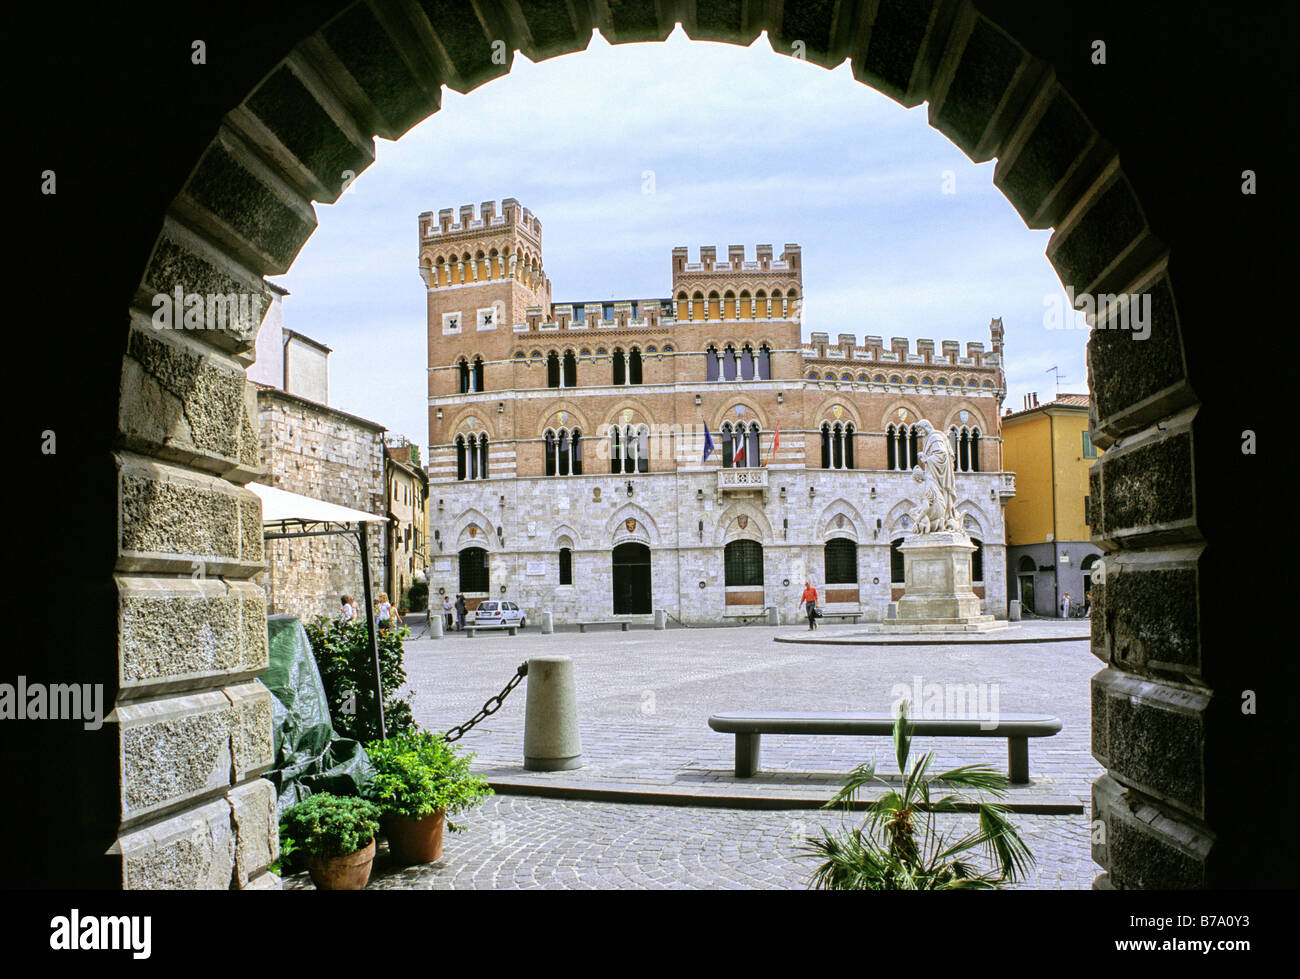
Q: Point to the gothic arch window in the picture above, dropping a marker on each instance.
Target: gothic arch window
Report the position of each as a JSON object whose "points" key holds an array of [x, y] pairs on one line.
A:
{"points": [[711, 363], [566, 566], [891, 448], [569, 377], [553, 378], [728, 446], [462, 376], [848, 446], [615, 450], [634, 366], [551, 466], [620, 366], [841, 561], [729, 305], [747, 363], [462, 470], [483, 456], [745, 307], [753, 458], [697, 305], [711, 311], [477, 380], [914, 444], [683, 306], [762, 309], [764, 362], [965, 448], [826, 445], [729, 363]]}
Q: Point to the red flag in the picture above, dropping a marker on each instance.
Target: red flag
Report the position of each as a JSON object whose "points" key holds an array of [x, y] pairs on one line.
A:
{"points": [[740, 453], [776, 440]]}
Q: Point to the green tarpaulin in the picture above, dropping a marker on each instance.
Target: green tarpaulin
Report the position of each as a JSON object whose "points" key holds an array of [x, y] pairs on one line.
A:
{"points": [[309, 756]]}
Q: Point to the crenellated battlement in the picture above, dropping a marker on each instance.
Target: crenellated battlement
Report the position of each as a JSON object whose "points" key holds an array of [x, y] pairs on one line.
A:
{"points": [[899, 349], [789, 262], [512, 216]]}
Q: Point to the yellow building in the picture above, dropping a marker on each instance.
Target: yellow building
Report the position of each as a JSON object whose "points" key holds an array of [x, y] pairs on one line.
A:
{"points": [[1049, 549]]}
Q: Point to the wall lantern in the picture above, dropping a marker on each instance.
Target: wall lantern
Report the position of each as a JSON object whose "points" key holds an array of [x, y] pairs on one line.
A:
{"points": [[873, 492], [780, 398], [701, 530], [501, 407], [629, 487], [503, 499], [699, 495], [812, 491], [782, 494], [437, 535], [698, 399], [440, 504]]}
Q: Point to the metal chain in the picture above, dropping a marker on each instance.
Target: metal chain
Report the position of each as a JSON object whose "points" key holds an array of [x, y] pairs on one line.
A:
{"points": [[490, 706]]}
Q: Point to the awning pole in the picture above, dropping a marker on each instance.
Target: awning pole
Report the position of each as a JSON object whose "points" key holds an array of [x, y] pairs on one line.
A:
{"points": [[370, 628]]}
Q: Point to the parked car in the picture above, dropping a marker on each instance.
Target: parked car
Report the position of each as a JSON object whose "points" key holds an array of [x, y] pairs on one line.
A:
{"points": [[499, 613]]}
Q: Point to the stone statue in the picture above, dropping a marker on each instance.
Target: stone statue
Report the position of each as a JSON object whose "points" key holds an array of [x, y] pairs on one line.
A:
{"points": [[938, 510]]}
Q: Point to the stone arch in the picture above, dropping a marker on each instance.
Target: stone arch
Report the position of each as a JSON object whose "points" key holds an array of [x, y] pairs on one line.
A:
{"points": [[577, 418], [853, 520], [244, 213], [953, 418], [458, 423], [485, 537], [753, 413], [890, 414], [641, 414], [825, 408], [646, 531], [757, 527], [566, 532]]}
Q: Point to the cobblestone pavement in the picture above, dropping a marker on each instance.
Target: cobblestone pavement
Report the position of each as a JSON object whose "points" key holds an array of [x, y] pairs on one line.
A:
{"points": [[644, 699], [517, 842]]}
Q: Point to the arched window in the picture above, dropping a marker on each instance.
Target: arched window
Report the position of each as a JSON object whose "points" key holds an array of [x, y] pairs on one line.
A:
{"points": [[577, 452], [913, 445], [634, 366], [977, 562], [683, 307], [461, 471], [975, 450], [841, 562], [752, 457], [837, 447], [566, 566], [615, 450], [762, 310], [764, 363], [729, 363], [711, 363], [629, 449], [552, 370], [474, 575], [549, 438], [462, 372], [891, 448], [562, 453], [728, 448], [848, 447], [743, 563], [1025, 565], [747, 363], [620, 366], [826, 445], [643, 450], [896, 572], [570, 376], [478, 374], [483, 456], [745, 308], [471, 451], [697, 305]]}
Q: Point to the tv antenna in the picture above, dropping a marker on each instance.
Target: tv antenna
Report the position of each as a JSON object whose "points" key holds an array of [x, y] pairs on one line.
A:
{"points": [[1057, 371]]}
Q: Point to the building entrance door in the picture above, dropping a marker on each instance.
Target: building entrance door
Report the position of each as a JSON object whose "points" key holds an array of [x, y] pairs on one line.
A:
{"points": [[631, 579], [1027, 594]]}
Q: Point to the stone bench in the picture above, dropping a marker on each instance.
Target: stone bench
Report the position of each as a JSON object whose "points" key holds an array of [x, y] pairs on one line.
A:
{"points": [[469, 630], [842, 615], [748, 726], [582, 626]]}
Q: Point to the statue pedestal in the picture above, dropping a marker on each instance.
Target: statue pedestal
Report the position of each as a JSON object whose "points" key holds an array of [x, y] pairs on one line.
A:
{"points": [[936, 582]]}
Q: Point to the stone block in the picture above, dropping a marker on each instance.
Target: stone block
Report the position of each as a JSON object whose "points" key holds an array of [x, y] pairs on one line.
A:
{"points": [[903, 35], [194, 850], [634, 20], [177, 520], [1151, 737], [1150, 619], [182, 633], [264, 882], [1144, 847], [467, 41], [553, 28], [253, 748], [1146, 487], [256, 823], [978, 72]]}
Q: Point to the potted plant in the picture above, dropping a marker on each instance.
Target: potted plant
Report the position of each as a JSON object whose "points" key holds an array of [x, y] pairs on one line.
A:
{"points": [[885, 854], [420, 780], [335, 836]]}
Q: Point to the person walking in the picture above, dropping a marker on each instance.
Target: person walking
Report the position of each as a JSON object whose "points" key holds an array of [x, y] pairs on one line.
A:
{"points": [[384, 612], [461, 609], [1065, 606], [448, 610], [809, 600]]}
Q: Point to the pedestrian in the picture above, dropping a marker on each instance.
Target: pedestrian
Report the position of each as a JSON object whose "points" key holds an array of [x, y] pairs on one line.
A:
{"points": [[1065, 606], [384, 612], [461, 609], [348, 612], [448, 610], [809, 600]]}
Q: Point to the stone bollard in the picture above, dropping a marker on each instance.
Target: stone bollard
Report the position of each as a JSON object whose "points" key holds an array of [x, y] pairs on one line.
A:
{"points": [[548, 622], [551, 742], [1013, 610], [773, 616], [435, 625], [661, 619], [891, 610]]}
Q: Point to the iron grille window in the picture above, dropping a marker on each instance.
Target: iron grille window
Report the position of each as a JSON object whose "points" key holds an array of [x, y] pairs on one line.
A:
{"points": [[841, 562], [744, 563], [474, 570], [895, 562], [566, 566], [977, 561]]}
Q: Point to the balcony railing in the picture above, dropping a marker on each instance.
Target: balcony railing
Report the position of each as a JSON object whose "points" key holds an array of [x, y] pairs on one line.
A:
{"points": [[1008, 487], [742, 479]]}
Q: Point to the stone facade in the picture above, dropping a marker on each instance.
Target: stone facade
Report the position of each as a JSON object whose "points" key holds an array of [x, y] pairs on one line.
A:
{"points": [[580, 427], [329, 455]]}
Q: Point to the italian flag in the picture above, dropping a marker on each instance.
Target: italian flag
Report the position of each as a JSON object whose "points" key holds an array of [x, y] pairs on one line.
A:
{"points": [[776, 440]]}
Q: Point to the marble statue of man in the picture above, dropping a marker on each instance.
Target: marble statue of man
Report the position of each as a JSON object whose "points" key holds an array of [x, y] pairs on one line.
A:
{"points": [[936, 458]]}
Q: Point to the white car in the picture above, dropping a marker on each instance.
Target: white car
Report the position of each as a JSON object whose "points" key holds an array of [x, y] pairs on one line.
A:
{"points": [[499, 613]]}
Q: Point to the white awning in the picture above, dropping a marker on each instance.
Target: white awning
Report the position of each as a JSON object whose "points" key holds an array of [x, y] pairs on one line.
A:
{"points": [[280, 507]]}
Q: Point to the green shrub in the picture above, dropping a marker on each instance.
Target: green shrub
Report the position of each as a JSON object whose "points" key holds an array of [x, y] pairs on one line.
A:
{"points": [[328, 825], [418, 595], [419, 773], [347, 668]]}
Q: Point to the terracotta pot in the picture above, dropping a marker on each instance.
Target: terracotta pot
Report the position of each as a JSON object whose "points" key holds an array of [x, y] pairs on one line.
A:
{"points": [[349, 872], [415, 840]]}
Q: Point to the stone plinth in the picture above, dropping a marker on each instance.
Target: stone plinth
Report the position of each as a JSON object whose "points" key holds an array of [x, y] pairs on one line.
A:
{"points": [[937, 582]]}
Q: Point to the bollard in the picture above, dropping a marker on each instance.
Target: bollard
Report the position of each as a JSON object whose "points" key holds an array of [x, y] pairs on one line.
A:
{"points": [[773, 616], [1013, 610], [548, 622], [661, 619], [435, 625], [551, 742], [891, 610]]}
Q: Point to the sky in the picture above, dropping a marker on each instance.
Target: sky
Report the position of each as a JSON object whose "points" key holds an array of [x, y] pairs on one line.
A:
{"points": [[626, 152]]}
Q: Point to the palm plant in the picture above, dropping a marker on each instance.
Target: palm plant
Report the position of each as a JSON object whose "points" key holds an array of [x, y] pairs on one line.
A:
{"points": [[884, 852]]}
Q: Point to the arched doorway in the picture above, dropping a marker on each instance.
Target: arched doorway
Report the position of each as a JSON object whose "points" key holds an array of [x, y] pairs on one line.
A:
{"points": [[240, 213], [632, 593], [474, 572]]}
